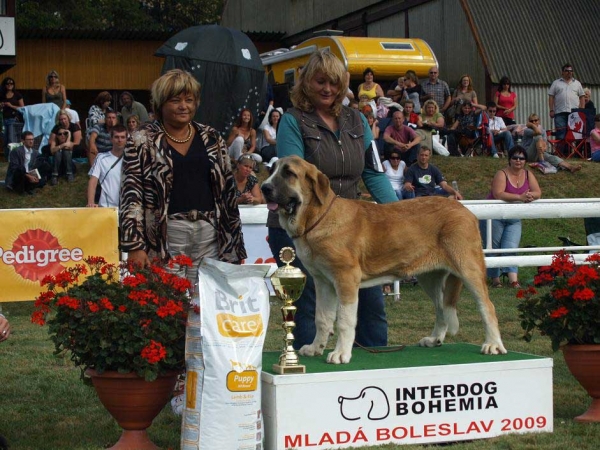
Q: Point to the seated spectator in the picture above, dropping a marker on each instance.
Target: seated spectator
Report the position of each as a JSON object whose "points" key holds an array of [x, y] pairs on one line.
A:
{"points": [[106, 172], [414, 91], [498, 130], [411, 118], [242, 139], [541, 147], [269, 141], [374, 124], [394, 171], [595, 139], [401, 138], [63, 120], [433, 125], [97, 112], [132, 108], [133, 124], [74, 114], [532, 131], [61, 148], [100, 141], [27, 169], [396, 91], [463, 129], [424, 179], [247, 186]]}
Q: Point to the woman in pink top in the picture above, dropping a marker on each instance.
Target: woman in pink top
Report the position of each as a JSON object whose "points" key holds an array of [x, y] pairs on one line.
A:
{"points": [[513, 184], [506, 101], [595, 139]]}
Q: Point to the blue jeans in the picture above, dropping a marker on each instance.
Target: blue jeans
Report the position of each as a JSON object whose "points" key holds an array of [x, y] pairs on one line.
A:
{"points": [[506, 233], [506, 138], [561, 121], [596, 156], [404, 195], [371, 328]]}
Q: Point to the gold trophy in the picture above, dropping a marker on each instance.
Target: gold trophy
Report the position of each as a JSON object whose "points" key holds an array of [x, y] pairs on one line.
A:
{"points": [[288, 282]]}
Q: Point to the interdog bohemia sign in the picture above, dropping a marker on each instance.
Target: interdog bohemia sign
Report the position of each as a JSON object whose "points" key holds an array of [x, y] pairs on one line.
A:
{"points": [[38, 242], [410, 405]]}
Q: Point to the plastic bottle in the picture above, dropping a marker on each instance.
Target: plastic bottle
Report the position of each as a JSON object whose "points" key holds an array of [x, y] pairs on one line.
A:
{"points": [[455, 185]]}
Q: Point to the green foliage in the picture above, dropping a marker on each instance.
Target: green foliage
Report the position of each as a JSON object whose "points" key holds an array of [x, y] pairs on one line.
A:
{"points": [[126, 319], [569, 313], [145, 15]]}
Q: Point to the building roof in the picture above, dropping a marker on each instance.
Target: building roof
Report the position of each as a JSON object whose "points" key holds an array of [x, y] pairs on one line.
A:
{"points": [[103, 34], [529, 41]]}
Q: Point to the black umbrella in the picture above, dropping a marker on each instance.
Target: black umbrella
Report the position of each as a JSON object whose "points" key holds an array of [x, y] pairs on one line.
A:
{"points": [[227, 65]]}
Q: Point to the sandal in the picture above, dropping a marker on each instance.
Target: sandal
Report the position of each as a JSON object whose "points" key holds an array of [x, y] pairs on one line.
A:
{"points": [[497, 284], [515, 284]]}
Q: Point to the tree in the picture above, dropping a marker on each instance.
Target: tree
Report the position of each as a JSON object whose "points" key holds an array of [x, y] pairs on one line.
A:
{"points": [[147, 15]]}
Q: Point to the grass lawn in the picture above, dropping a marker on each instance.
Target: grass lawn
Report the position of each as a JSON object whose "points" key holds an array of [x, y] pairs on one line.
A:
{"points": [[44, 405]]}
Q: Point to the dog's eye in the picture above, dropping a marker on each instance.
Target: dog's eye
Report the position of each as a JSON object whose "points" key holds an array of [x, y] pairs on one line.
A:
{"points": [[287, 173]]}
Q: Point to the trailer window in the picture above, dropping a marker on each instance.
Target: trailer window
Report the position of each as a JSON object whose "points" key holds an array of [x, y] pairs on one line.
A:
{"points": [[397, 46]]}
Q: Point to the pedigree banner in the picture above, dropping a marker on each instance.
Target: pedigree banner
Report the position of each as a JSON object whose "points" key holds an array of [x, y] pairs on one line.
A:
{"points": [[39, 242]]}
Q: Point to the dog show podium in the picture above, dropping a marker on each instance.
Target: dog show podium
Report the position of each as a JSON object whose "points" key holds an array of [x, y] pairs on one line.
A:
{"points": [[413, 396]]}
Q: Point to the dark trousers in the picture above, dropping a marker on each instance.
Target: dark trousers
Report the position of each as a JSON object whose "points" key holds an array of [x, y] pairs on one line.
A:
{"points": [[371, 327]]}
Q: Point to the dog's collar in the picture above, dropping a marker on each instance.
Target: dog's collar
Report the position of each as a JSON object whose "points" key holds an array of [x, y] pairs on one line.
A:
{"points": [[314, 225]]}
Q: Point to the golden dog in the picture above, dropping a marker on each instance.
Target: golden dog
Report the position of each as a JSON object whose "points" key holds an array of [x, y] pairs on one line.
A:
{"points": [[345, 244]]}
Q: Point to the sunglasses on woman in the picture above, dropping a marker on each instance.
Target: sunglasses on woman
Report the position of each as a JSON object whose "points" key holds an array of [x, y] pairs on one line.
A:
{"points": [[518, 158]]}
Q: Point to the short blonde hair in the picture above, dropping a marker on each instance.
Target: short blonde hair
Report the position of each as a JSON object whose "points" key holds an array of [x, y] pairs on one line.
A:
{"points": [[171, 84], [325, 62], [427, 103], [62, 112]]}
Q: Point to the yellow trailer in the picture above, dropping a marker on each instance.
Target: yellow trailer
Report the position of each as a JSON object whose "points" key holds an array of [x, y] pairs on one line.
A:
{"points": [[388, 57]]}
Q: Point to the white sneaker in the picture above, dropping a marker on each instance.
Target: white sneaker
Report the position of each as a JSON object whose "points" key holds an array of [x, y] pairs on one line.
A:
{"points": [[495, 155]]}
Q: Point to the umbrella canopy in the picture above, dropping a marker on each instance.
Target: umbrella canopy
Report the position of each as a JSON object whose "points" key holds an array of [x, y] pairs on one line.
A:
{"points": [[227, 65]]}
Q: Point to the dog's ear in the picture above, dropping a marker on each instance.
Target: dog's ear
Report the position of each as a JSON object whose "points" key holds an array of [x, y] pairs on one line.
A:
{"points": [[320, 185]]}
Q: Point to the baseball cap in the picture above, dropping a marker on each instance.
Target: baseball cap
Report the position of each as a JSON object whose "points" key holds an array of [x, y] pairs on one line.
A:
{"points": [[69, 102]]}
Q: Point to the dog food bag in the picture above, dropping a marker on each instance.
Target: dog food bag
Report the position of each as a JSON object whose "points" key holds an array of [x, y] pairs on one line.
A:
{"points": [[224, 343]]}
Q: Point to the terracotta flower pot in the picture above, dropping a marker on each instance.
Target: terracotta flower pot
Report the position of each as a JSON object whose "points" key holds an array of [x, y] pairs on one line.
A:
{"points": [[134, 403], [584, 363]]}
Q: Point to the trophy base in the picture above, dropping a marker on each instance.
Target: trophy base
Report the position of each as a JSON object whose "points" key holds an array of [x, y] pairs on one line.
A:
{"points": [[283, 370]]}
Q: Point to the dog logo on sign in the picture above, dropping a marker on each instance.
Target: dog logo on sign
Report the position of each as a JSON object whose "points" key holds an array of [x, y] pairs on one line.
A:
{"points": [[371, 403]]}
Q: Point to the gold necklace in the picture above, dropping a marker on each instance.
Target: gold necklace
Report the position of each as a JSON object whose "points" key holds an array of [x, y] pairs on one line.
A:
{"points": [[179, 141]]}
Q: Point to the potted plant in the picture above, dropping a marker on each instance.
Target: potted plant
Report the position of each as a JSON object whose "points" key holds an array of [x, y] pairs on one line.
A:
{"points": [[124, 326], [568, 312]]}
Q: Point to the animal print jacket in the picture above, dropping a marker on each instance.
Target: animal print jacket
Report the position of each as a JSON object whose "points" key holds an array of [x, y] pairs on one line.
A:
{"points": [[146, 188]]}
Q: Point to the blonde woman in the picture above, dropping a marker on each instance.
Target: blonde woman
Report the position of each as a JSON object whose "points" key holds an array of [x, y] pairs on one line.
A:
{"points": [[433, 123], [54, 92]]}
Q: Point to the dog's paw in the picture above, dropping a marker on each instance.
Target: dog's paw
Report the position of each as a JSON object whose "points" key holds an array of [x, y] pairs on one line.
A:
{"points": [[430, 341], [310, 350], [336, 357], [493, 349]]}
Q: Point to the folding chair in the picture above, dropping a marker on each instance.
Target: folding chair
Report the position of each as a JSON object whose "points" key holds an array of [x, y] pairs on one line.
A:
{"points": [[481, 144], [574, 142]]}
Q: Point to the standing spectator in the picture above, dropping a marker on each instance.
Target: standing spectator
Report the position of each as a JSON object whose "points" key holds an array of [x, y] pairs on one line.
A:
{"points": [[178, 192], [97, 112], [565, 94], [464, 92], [396, 91], [74, 114], [100, 141], [10, 100], [402, 138], [499, 131], [595, 139], [506, 101], [513, 184], [414, 90], [437, 90], [587, 97], [132, 108], [335, 138], [23, 162], [54, 92], [106, 172], [394, 169], [242, 138], [424, 179]]}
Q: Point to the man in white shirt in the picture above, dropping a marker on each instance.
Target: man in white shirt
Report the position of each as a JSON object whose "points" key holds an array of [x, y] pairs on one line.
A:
{"points": [[74, 114], [498, 130], [106, 171], [565, 94]]}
